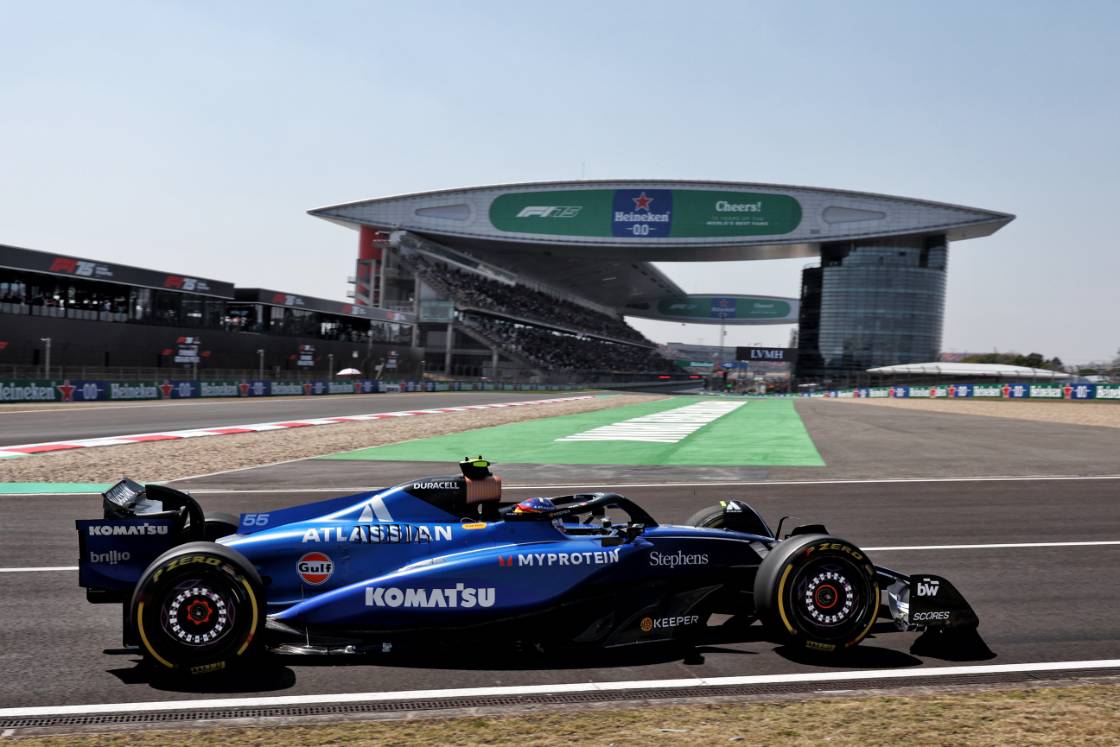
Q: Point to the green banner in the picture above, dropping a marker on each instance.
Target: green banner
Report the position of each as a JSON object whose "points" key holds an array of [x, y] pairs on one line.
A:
{"points": [[646, 213], [723, 307]]}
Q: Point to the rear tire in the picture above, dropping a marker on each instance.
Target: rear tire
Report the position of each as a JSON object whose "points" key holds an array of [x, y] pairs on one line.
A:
{"points": [[219, 525], [718, 517], [817, 592], [198, 609]]}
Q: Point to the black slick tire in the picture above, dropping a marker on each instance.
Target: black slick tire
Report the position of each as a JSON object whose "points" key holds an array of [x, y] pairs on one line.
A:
{"points": [[198, 609], [817, 592]]}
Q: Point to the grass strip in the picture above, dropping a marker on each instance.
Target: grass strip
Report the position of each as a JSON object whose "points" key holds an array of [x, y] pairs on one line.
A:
{"points": [[1069, 716]]}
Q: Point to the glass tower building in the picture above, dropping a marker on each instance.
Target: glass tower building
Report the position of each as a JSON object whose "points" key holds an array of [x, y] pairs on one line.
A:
{"points": [[872, 303]]}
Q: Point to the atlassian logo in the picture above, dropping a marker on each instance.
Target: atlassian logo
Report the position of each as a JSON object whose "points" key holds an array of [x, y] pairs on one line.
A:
{"points": [[112, 557], [130, 530], [456, 596], [928, 588], [539, 559], [672, 560], [550, 211]]}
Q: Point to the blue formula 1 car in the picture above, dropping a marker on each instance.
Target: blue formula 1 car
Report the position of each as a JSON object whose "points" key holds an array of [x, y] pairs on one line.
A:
{"points": [[435, 557]]}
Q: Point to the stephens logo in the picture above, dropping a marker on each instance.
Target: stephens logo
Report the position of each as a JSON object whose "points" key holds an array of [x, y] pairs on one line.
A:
{"points": [[642, 213], [315, 568], [678, 558]]}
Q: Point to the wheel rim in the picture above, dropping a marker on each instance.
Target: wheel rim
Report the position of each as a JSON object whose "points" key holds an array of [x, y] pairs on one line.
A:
{"points": [[198, 614], [829, 597]]}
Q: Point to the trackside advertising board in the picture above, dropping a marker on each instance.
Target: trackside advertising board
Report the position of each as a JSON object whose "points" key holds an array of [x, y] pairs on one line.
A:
{"points": [[82, 390], [646, 213], [993, 391]]}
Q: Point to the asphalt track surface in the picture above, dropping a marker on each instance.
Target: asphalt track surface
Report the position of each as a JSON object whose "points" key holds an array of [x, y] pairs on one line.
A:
{"points": [[36, 424], [1036, 604]]}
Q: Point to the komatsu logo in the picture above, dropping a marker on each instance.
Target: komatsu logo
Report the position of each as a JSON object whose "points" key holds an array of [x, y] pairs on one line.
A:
{"points": [[459, 595], [550, 211], [129, 530]]}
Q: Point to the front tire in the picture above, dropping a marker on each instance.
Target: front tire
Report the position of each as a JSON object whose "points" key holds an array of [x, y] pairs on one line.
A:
{"points": [[817, 592], [197, 609]]}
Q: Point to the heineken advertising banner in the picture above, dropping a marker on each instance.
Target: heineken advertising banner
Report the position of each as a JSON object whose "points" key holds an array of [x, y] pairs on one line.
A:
{"points": [[1107, 391], [1080, 391], [646, 213], [1046, 391], [701, 306], [986, 390]]}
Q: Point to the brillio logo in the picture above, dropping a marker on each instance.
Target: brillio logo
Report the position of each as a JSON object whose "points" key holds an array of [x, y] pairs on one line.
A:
{"points": [[550, 211], [315, 568], [112, 557]]}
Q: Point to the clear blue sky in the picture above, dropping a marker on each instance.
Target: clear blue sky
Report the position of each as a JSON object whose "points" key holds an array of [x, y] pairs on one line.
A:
{"points": [[193, 136]]}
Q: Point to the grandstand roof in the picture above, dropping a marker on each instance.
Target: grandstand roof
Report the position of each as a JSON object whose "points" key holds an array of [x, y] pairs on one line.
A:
{"points": [[988, 370], [598, 238]]}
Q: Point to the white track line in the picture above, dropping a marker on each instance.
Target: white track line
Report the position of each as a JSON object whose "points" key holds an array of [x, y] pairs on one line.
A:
{"points": [[896, 548], [724, 484], [40, 569], [576, 687], [994, 546]]}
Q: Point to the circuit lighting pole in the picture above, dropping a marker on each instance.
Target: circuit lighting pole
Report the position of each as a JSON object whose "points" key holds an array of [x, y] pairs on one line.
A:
{"points": [[47, 357], [260, 363], [330, 359]]}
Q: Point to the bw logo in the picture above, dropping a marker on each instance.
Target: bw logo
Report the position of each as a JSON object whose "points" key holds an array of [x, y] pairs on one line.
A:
{"points": [[928, 588]]}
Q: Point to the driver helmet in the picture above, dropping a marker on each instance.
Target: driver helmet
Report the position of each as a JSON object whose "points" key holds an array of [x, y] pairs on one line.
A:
{"points": [[535, 506]]}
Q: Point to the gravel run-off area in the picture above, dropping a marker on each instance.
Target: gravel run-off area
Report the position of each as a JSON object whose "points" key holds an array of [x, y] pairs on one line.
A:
{"points": [[1103, 414], [163, 461]]}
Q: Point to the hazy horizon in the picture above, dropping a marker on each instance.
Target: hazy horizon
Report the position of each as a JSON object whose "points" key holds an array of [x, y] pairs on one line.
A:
{"points": [[193, 137]]}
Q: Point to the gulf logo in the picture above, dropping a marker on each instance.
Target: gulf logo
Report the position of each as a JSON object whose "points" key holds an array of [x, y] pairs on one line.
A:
{"points": [[315, 568]]}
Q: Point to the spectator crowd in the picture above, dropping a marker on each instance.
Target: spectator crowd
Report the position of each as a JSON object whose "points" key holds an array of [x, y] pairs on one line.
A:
{"points": [[555, 350], [472, 290]]}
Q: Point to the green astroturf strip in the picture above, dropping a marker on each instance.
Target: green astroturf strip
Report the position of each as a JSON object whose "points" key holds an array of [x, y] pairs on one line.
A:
{"points": [[8, 488], [760, 433]]}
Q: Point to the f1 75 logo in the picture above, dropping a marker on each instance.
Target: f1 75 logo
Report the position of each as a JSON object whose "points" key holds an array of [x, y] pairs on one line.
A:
{"points": [[550, 211], [928, 588]]}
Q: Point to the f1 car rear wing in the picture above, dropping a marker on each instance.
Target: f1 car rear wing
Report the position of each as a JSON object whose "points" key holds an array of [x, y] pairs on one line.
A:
{"points": [[139, 523]]}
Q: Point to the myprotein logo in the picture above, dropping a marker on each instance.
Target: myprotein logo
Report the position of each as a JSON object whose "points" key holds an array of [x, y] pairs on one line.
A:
{"points": [[315, 568], [677, 559], [457, 596], [112, 557], [928, 587], [128, 530], [543, 559], [550, 211]]}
